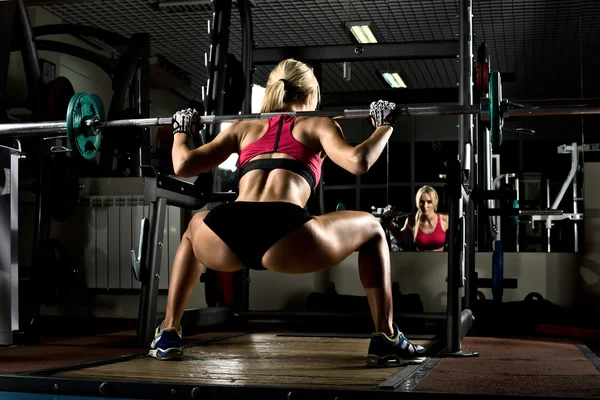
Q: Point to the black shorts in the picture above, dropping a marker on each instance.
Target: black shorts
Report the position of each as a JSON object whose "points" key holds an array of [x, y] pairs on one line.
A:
{"points": [[251, 228]]}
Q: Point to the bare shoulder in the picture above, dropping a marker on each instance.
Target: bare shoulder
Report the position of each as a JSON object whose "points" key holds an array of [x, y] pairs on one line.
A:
{"points": [[444, 217], [321, 131], [246, 131], [318, 124]]}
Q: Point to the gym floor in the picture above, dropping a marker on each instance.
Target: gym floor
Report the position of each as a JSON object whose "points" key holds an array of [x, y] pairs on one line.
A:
{"points": [[274, 359]]}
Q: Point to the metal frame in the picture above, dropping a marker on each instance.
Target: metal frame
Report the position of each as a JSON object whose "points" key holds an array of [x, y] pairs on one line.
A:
{"points": [[160, 191], [154, 390], [143, 159], [425, 50], [9, 256], [574, 149], [242, 278], [9, 192], [458, 322], [458, 176]]}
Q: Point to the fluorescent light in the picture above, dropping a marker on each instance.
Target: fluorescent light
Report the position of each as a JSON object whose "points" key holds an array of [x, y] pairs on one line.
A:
{"points": [[361, 32], [393, 79]]}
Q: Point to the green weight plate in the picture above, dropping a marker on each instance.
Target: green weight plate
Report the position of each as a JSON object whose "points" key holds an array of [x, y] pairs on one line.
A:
{"points": [[340, 207], [496, 119], [83, 109], [516, 217]]}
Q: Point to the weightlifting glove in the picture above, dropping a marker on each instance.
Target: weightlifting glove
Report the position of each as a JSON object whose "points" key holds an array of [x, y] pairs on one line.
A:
{"points": [[380, 113], [388, 216], [186, 121]]}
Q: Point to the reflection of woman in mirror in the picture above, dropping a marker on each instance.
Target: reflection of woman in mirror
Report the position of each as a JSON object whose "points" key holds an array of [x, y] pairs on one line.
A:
{"points": [[430, 233]]}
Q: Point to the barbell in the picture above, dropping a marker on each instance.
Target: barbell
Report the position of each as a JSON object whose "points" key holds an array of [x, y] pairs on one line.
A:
{"points": [[85, 117]]}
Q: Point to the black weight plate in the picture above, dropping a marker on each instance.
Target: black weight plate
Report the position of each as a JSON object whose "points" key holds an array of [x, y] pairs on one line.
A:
{"points": [[63, 187]]}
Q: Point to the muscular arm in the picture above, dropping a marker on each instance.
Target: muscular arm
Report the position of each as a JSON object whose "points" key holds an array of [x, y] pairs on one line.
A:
{"points": [[188, 163], [356, 160]]}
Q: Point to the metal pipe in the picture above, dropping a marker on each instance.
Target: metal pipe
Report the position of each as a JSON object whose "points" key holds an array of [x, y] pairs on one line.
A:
{"points": [[144, 154], [30, 59], [517, 184], [455, 253], [511, 212], [214, 101], [247, 53], [488, 182], [570, 177], [582, 109], [575, 196], [497, 220], [548, 220], [528, 213], [150, 275], [465, 84], [506, 177], [269, 315]]}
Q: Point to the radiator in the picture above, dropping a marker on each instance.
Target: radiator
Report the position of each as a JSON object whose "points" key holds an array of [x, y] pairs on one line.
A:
{"points": [[100, 235]]}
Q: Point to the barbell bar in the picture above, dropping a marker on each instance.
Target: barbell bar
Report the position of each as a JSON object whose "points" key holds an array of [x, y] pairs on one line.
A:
{"points": [[33, 128], [85, 117]]}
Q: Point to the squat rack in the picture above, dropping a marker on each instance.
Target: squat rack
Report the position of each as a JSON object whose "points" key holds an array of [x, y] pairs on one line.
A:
{"points": [[460, 179]]}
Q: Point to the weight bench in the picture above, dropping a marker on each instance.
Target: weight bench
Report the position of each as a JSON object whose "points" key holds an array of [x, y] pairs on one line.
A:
{"points": [[160, 191]]}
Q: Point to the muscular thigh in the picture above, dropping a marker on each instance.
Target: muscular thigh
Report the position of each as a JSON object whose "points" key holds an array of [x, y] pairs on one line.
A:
{"points": [[209, 249], [322, 243]]}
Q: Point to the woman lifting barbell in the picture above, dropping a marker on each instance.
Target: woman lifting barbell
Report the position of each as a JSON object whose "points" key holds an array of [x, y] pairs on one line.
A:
{"points": [[280, 163], [427, 227]]}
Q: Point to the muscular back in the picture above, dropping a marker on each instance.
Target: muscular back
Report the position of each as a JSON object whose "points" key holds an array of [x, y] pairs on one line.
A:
{"points": [[279, 184]]}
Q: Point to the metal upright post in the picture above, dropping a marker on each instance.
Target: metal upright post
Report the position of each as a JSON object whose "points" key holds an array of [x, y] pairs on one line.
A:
{"points": [[454, 256], [482, 60], [144, 155], [549, 218], [217, 62], [468, 162], [465, 130], [459, 174], [7, 24], [30, 59], [9, 249], [518, 233], [575, 162], [465, 126], [150, 270], [39, 152], [242, 277], [247, 53]]}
